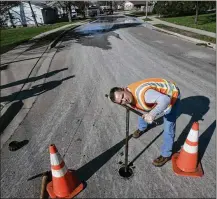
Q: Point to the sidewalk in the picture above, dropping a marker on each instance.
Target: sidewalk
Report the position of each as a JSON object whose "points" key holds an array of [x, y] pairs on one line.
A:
{"points": [[194, 30], [21, 68]]}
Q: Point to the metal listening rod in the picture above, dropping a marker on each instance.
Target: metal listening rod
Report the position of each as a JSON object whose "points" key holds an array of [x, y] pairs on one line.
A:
{"points": [[127, 136], [128, 109]]}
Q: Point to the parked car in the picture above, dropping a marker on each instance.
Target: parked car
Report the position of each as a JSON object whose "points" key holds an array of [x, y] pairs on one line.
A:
{"points": [[74, 13], [108, 11]]}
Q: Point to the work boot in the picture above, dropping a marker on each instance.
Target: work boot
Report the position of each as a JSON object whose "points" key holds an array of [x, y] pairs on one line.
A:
{"points": [[160, 161], [138, 133]]}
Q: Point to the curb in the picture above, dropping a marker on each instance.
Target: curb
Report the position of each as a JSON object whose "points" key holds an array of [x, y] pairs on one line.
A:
{"points": [[26, 105], [193, 40], [55, 41]]}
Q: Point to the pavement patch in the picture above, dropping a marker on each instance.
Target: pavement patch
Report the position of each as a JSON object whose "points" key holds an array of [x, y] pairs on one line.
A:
{"points": [[15, 145]]}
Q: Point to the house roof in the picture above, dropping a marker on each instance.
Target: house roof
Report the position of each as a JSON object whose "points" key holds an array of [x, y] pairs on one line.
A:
{"points": [[137, 3], [59, 4], [40, 4]]}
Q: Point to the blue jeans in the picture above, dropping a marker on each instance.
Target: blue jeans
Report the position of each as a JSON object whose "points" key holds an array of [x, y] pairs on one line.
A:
{"points": [[169, 129]]}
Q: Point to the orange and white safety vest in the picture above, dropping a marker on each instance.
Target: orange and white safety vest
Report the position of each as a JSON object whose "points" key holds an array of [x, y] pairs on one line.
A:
{"points": [[163, 86]]}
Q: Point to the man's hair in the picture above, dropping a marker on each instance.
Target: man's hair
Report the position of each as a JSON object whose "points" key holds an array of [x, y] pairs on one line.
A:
{"points": [[112, 93]]}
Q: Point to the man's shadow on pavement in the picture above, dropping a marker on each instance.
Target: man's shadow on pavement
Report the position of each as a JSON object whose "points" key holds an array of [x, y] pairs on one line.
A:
{"points": [[32, 79], [196, 107], [34, 91], [87, 170], [13, 110]]}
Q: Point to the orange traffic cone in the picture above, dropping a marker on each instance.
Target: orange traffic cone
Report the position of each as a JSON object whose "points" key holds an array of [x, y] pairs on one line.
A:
{"points": [[186, 163], [64, 183]]}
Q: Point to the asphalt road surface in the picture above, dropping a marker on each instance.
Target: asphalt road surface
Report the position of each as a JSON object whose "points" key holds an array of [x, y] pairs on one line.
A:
{"points": [[72, 112]]}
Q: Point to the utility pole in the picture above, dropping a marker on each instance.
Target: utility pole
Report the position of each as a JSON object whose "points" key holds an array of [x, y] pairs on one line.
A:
{"points": [[69, 10], [146, 10], [110, 5]]}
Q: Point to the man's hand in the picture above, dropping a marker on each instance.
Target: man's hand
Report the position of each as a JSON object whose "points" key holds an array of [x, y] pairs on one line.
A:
{"points": [[148, 118]]}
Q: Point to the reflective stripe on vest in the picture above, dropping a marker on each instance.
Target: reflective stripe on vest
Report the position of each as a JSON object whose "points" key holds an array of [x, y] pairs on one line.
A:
{"points": [[161, 85], [140, 96]]}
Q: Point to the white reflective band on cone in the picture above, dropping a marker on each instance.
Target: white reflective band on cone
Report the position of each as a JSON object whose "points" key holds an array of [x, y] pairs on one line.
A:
{"points": [[190, 149], [193, 136], [55, 159], [59, 173]]}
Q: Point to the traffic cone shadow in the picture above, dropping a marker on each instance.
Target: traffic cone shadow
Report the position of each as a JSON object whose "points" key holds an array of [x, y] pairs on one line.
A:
{"points": [[186, 162], [65, 183]]}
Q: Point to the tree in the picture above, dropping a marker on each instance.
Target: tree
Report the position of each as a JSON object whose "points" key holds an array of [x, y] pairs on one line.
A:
{"points": [[11, 19], [66, 6], [196, 16], [82, 5], [5, 6], [182, 8], [69, 10], [110, 3], [202, 7], [160, 8]]}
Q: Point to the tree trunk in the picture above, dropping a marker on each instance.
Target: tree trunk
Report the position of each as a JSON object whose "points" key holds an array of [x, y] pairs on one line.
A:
{"points": [[33, 14], [11, 19], [84, 15], [146, 10], [196, 16], [110, 5], [84, 9], [69, 10]]}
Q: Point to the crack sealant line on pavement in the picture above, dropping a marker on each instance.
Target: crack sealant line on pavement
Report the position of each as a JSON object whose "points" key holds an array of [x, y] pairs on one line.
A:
{"points": [[21, 53], [28, 103], [80, 122], [53, 44], [25, 84], [48, 48]]}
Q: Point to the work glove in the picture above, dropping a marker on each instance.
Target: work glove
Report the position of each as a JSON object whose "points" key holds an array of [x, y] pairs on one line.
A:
{"points": [[168, 110], [148, 118]]}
